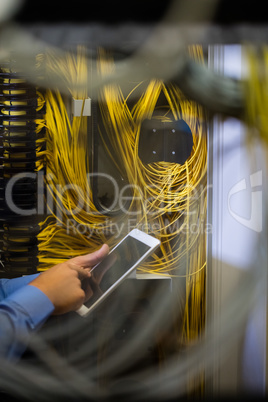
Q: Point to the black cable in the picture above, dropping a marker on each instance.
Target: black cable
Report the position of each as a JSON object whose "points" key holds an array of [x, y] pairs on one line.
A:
{"points": [[18, 227]]}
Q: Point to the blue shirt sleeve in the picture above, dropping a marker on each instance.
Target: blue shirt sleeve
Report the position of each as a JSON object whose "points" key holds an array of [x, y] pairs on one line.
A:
{"points": [[9, 286], [23, 310]]}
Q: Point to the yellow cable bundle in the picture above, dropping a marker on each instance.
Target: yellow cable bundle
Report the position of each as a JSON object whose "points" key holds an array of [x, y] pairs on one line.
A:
{"points": [[256, 92], [164, 190], [169, 200], [67, 165]]}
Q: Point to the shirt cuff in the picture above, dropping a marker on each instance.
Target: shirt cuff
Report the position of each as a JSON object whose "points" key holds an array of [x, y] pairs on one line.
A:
{"points": [[35, 303]]}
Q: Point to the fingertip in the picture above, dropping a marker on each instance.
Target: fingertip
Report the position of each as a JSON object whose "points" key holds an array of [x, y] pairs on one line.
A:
{"points": [[88, 271]]}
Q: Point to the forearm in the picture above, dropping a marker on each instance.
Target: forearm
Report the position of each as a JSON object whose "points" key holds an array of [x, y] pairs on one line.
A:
{"points": [[21, 314]]}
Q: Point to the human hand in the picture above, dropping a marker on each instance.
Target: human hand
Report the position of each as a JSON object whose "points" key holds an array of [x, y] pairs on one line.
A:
{"points": [[90, 285], [62, 283], [93, 285]]}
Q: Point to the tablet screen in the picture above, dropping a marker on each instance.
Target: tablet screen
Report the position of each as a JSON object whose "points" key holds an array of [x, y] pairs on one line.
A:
{"points": [[118, 262]]}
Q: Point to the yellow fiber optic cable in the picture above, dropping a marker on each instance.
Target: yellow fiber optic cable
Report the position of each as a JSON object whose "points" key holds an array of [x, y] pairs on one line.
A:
{"points": [[169, 200], [256, 92]]}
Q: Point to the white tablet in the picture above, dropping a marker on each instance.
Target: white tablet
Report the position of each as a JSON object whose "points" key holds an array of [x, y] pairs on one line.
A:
{"points": [[130, 252]]}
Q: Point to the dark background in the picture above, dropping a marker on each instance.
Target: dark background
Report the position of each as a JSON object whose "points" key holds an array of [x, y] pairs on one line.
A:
{"points": [[116, 11]]}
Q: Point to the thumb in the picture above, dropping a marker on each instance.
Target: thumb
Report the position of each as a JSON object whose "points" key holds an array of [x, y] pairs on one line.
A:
{"points": [[89, 260]]}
